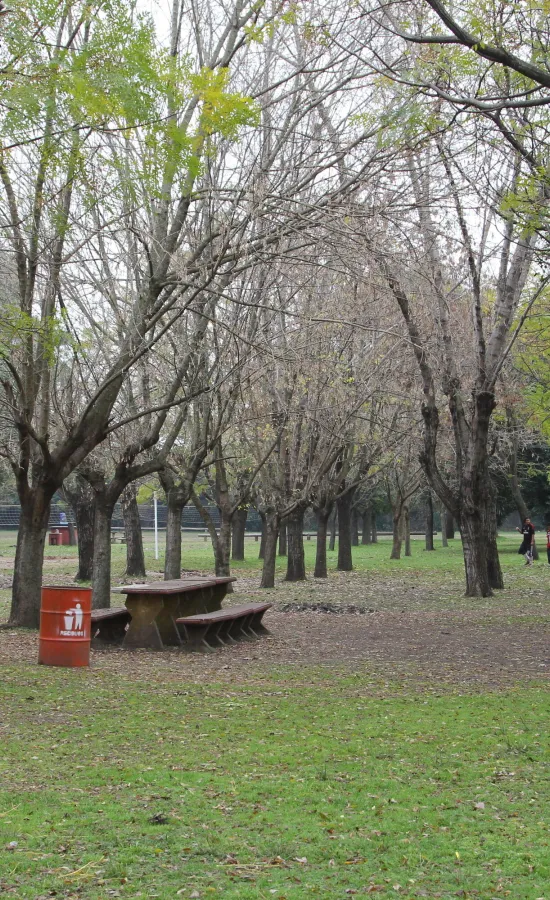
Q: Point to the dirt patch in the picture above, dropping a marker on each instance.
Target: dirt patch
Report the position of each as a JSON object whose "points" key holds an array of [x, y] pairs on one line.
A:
{"points": [[330, 608], [467, 649]]}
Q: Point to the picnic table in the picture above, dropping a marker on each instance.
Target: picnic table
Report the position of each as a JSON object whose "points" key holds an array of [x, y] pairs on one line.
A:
{"points": [[154, 608]]}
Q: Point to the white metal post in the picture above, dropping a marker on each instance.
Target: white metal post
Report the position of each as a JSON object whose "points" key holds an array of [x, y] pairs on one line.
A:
{"points": [[156, 526]]}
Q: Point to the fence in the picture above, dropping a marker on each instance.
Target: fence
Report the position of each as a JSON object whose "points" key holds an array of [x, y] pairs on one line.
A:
{"points": [[61, 513]]}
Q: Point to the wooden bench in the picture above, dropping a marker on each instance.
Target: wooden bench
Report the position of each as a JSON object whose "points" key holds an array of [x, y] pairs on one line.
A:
{"points": [[109, 625], [223, 626]]}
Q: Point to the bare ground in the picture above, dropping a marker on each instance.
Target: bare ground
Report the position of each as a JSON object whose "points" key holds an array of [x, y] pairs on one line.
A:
{"points": [[393, 631]]}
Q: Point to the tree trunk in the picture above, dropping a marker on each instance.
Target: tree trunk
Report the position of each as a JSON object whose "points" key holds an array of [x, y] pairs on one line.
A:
{"points": [[494, 571], [222, 550], [449, 526], [332, 540], [238, 532], [29, 558], [343, 506], [323, 516], [271, 531], [407, 529], [354, 528], [283, 542], [475, 554], [296, 566], [172, 555], [374, 531], [442, 516], [72, 535], [366, 526], [135, 558], [101, 575], [398, 529], [261, 552], [83, 504], [221, 540], [429, 522]]}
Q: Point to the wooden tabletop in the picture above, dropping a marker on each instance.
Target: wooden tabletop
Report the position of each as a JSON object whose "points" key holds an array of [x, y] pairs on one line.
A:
{"points": [[176, 586]]}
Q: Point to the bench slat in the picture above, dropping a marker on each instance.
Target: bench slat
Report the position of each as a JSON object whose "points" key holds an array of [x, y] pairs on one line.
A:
{"points": [[224, 615], [98, 615], [204, 632]]}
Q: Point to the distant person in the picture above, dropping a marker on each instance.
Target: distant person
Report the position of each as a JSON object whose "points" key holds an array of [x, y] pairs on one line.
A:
{"points": [[548, 543], [528, 532], [63, 519]]}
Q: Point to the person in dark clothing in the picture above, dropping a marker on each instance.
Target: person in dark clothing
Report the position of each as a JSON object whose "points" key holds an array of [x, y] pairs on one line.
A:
{"points": [[528, 532], [548, 543]]}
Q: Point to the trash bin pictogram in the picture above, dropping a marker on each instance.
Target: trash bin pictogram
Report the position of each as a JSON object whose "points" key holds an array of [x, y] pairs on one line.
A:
{"points": [[65, 626]]}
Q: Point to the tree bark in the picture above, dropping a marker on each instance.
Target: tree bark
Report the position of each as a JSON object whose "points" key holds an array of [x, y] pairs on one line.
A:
{"points": [[221, 540], [449, 525], [332, 539], [296, 566], [442, 516], [354, 528], [101, 574], [135, 558], [82, 501], [238, 532], [178, 489], [374, 531], [475, 557], [261, 552], [29, 555], [85, 523], [271, 530], [494, 571], [429, 522], [222, 551], [407, 532], [283, 542], [343, 506], [366, 526], [323, 516], [72, 535], [175, 503], [398, 530]]}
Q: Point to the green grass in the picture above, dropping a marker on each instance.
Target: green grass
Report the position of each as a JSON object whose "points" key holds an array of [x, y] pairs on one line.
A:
{"points": [[292, 783], [197, 554], [278, 789], [423, 580]]}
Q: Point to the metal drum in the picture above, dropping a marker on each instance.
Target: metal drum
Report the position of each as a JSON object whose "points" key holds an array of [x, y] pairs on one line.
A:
{"points": [[65, 616]]}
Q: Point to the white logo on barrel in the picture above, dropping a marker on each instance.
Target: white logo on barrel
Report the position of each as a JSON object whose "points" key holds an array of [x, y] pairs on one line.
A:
{"points": [[73, 621]]}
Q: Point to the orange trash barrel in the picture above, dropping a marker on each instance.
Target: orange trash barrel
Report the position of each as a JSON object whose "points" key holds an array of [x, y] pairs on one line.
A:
{"points": [[65, 616]]}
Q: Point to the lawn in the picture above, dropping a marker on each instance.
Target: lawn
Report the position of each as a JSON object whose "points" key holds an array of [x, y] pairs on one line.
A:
{"points": [[150, 776], [428, 579]]}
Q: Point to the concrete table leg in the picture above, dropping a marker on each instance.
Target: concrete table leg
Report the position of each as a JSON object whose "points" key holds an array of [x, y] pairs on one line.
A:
{"points": [[166, 622], [143, 630]]}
